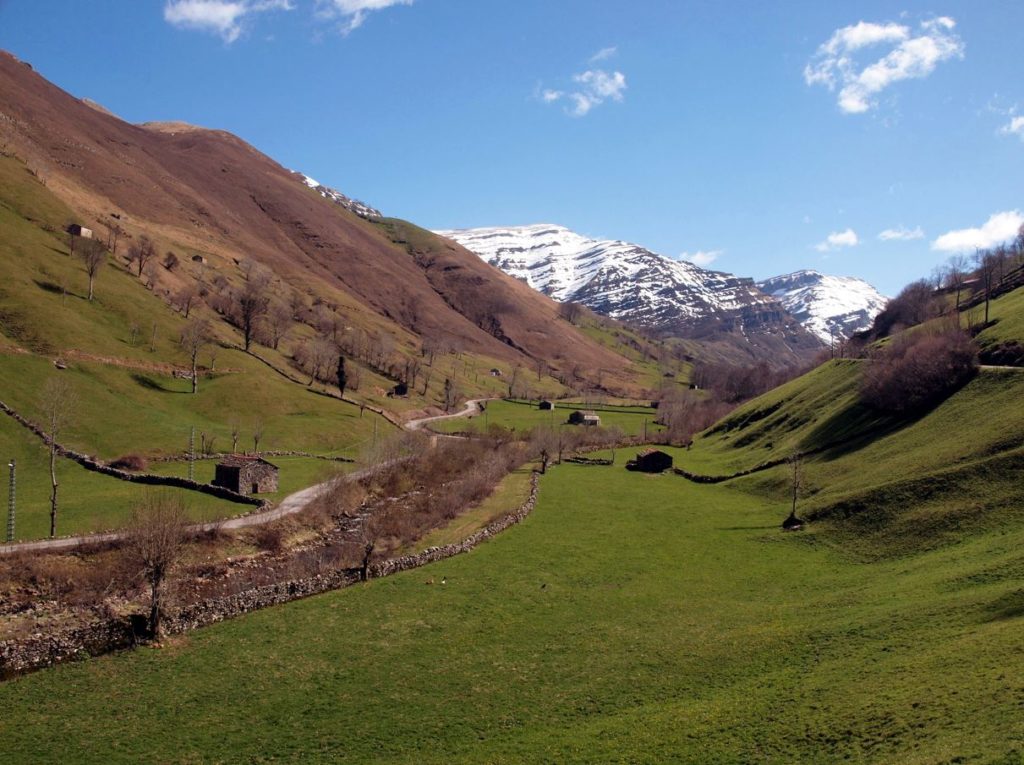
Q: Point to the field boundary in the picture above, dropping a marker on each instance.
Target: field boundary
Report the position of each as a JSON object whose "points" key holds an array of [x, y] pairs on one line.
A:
{"points": [[18, 657]]}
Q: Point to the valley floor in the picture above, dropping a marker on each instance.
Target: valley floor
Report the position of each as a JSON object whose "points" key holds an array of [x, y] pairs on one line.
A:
{"points": [[630, 618]]}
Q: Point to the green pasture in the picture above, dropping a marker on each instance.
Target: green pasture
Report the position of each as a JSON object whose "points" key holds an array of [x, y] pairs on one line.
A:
{"points": [[631, 618], [524, 415]]}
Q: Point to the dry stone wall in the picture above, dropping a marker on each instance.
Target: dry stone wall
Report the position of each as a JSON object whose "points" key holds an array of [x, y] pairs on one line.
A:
{"points": [[105, 635]]}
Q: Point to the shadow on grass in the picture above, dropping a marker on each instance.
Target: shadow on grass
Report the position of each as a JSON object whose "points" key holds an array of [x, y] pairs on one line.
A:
{"points": [[855, 427], [749, 528], [149, 383], [56, 289], [1009, 606]]}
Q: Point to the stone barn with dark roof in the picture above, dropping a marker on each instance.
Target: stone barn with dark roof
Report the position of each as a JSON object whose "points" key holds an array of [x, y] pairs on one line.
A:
{"points": [[581, 417], [545, 405], [650, 461], [246, 475]]}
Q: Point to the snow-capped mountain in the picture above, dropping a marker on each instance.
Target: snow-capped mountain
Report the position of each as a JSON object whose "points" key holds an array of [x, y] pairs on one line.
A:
{"points": [[361, 209], [631, 283], [829, 306]]}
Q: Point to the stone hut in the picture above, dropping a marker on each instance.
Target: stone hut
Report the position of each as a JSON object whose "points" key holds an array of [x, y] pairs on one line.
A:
{"points": [[547, 406], [650, 461], [199, 259], [584, 417], [246, 475], [495, 372], [77, 230]]}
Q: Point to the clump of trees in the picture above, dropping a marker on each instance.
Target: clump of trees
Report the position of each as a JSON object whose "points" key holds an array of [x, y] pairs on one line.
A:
{"points": [[919, 369]]}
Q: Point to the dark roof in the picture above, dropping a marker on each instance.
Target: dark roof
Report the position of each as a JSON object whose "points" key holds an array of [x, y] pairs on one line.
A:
{"points": [[241, 460], [647, 452]]}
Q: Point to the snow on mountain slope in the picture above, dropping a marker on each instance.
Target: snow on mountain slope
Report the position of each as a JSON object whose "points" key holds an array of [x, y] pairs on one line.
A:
{"points": [[361, 209], [619, 279], [827, 305]]}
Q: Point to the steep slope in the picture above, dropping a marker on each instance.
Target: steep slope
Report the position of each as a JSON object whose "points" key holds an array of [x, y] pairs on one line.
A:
{"points": [[633, 284], [832, 307], [208, 192]]}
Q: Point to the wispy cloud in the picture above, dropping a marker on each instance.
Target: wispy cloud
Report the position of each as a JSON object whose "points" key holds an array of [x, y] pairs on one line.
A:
{"points": [[901, 234], [912, 56], [604, 54], [592, 88], [225, 18], [837, 239], [997, 229], [702, 258], [352, 13], [1014, 127]]}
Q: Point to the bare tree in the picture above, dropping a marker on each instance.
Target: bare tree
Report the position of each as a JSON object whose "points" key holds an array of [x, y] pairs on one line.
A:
{"points": [[58, 405], [450, 394], [987, 265], [279, 320], [251, 305], [95, 256], [155, 540], [185, 298], [114, 234], [796, 470], [141, 253], [257, 434], [195, 336], [956, 275], [236, 430], [570, 311], [171, 261]]}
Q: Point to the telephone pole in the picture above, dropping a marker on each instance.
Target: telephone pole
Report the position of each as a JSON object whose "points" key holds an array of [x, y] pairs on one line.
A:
{"points": [[10, 502], [192, 454]]}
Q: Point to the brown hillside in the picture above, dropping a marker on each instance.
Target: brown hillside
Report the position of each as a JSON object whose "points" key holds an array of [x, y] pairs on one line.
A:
{"points": [[210, 191]]}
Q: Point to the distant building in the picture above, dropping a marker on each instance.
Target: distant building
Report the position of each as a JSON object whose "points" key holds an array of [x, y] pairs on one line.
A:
{"points": [[650, 461], [545, 405], [580, 417], [401, 389], [246, 475], [495, 373], [198, 259], [76, 230]]}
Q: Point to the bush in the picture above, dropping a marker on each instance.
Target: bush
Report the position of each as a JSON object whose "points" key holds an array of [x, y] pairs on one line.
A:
{"points": [[132, 462], [918, 371]]}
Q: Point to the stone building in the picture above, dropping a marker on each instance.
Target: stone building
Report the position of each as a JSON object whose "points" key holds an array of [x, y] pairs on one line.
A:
{"points": [[545, 405], [650, 461], [76, 230], [582, 417], [246, 475]]}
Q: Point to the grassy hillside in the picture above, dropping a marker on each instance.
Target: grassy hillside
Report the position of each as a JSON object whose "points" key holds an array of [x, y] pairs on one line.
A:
{"points": [[524, 415], [629, 619]]}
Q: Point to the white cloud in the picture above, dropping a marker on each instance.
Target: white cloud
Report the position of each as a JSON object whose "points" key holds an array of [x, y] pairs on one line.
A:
{"points": [[997, 229], [352, 13], [911, 57], [593, 88], [702, 258], [837, 239], [1014, 127], [221, 17], [604, 53], [901, 234]]}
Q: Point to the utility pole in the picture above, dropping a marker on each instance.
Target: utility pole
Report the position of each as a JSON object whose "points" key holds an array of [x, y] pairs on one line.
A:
{"points": [[645, 430], [192, 454], [10, 502]]}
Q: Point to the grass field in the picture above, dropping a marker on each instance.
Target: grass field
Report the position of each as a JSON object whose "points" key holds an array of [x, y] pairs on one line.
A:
{"points": [[630, 619], [524, 416], [88, 501]]}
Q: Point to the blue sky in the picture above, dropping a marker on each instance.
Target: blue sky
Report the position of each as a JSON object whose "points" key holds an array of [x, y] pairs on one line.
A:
{"points": [[760, 138]]}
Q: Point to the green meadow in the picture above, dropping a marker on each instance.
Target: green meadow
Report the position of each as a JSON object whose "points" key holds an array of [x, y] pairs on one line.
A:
{"points": [[631, 618]]}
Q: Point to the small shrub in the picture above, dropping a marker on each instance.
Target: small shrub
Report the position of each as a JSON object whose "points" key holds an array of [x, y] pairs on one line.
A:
{"points": [[132, 462], [270, 537], [918, 371]]}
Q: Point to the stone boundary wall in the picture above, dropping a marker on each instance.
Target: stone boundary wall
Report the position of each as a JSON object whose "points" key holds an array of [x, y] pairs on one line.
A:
{"points": [[106, 635], [270, 453], [90, 463]]}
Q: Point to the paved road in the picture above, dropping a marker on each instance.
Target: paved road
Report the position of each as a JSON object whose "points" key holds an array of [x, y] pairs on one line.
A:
{"points": [[291, 504]]}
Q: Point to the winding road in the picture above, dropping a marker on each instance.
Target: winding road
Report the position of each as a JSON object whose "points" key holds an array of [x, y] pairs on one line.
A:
{"points": [[290, 505]]}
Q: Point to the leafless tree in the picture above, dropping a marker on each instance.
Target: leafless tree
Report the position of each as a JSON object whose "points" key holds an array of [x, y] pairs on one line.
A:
{"points": [[114, 234], [257, 434], [251, 306], [141, 253], [95, 256], [185, 298], [570, 311], [171, 261], [451, 395], [195, 336], [987, 265], [956, 275], [155, 540], [58, 403], [236, 430], [279, 321], [796, 472]]}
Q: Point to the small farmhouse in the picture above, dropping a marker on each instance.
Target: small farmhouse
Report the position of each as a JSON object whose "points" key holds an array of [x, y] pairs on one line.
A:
{"points": [[581, 417], [199, 259], [650, 461], [546, 406], [246, 475], [76, 230], [495, 372]]}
